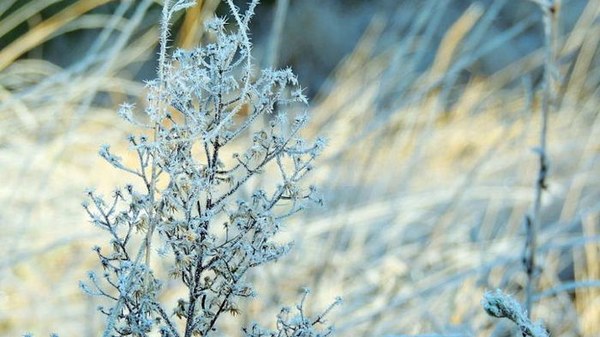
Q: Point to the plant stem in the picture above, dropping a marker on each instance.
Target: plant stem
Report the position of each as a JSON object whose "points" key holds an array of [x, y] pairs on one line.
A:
{"points": [[533, 223]]}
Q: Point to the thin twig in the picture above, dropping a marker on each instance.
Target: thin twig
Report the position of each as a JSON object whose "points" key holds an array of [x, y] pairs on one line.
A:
{"points": [[533, 222]]}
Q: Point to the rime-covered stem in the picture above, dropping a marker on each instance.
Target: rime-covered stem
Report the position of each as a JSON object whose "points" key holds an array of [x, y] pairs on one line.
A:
{"points": [[243, 29], [196, 284], [162, 60], [550, 13]]}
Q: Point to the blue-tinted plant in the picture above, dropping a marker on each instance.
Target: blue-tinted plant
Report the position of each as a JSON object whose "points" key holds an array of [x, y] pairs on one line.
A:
{"points": [[499, 305], [190, 199]]}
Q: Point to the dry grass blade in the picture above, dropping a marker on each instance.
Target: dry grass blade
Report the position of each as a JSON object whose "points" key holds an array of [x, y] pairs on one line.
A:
{"points": [[45, 30], [190, 33], [453, 38], [23, 14]]}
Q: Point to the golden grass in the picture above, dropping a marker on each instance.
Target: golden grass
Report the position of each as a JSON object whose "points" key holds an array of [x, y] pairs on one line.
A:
{"points": [[44, 30], [427, 178]]}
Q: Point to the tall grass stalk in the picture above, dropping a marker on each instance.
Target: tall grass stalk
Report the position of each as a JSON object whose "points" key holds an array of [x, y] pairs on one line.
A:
{"points": [[533, 223]]}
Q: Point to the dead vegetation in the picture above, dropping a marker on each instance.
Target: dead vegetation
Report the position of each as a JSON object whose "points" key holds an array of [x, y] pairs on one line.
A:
{"points": [[428, 174]]}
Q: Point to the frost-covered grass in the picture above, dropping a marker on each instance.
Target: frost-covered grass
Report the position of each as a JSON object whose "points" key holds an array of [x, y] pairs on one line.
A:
{"points": [[426, 177]]}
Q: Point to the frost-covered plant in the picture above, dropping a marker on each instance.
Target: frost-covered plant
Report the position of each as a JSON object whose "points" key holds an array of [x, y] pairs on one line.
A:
{"points": [[190, 182], [499, 305], [296, 325]]}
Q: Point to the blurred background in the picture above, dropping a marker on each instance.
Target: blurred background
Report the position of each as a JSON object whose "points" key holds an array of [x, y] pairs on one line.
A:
{"points": [[432, 112]]}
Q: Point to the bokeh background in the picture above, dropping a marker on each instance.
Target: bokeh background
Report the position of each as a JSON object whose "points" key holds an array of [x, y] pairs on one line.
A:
{"points": [[432, 112]]}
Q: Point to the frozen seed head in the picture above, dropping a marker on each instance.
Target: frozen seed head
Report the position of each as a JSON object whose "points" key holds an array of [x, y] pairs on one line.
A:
{"points": [[500, 305], [216, 24], [126, 111]]}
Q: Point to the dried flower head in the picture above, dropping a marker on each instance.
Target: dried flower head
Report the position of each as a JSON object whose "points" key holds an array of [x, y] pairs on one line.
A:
{"points": [[500, 305]]}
